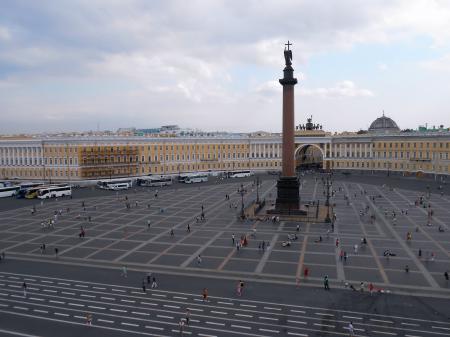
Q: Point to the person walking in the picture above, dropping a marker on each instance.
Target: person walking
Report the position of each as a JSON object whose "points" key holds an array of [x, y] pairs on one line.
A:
{"points": [[148, 224], [188, 228], [407, 269], [199, 259], [232, 238], [420, 253], [181, 325], [446, 275], [172, 233], [205, 294], [124, 271], [351, 330], [88, 319], [305, 273], [149, 277], [239, 289], [56, 253], [326, 283], [154, 284], [355, 248], [24, 287], [144, 289], [187, 316]]}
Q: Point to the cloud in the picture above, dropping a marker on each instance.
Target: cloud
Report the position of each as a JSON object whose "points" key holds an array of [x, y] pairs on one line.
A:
{"points": [[382, 66], [342, 89], [439, 64], [5, 35]]}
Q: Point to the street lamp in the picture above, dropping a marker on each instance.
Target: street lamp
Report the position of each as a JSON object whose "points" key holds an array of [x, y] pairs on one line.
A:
{"points": [[242, 191]]}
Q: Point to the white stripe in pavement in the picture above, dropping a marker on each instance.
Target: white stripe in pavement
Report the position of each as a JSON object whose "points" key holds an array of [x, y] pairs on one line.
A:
{"points": [[215, 323], [180, 298], [99, 288], [268, 330], [76, 304], [21, 308], [64, 283], [385, 333], [171, 306], [90, 296], [271, 308], [137, 292], [107, 298], [3, 294], [67, 293], [31, 288], [226, 303], [14, 278], [146, 303], [268, 318], [16, 333], [140, 313], [154, 327], [346, 328], [118, 310], [351, 317], [61, 314], [381, 321], [184, 332], [14, 286], [198, 300], [51, 291], [3, 305], [298, 322], [243, 315], [439, 327], [2, 284], [159, 295], [95, 307], [30, 279], [412, 336], [219, 312], [240, 326], [128, 301], [194, 320], [163, 316], [57, 302], [129, 324], [247, 305], [297, 334], [105, 320], [80, 317], [118, 290], [327, 325], [195, 309], [41, 311], [45, 281], [81, 286], [298, 311], [203, 335], [16, 296], [410, 324], [321, 314]]}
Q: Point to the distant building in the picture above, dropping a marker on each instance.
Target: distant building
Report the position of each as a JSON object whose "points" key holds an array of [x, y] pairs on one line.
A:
{"points": [[82, 156]]}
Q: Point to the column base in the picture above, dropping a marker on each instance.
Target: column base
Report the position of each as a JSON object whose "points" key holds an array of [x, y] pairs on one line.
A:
{"points": [[288, 199]]}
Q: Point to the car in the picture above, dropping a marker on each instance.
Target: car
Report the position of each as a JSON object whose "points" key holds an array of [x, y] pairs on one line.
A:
{"points": [[273, 173]]}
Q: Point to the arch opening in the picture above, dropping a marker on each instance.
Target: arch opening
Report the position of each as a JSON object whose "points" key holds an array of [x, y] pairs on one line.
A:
{"points": [[308, 157]]}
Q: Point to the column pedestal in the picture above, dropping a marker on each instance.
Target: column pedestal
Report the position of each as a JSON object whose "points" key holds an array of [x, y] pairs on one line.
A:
{"points": [[288, 199]]}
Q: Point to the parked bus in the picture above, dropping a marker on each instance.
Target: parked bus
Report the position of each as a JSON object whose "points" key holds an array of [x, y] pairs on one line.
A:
{"points": [[25, 187], [32, 192], [182, 177], [115, 184], [240, 174], [54, 192], [196, 178], [154, 181], [9, 191]]}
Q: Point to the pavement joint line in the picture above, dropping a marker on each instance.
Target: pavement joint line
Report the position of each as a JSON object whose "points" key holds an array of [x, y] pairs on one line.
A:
{"points": [[259, 268], [17, 333]]}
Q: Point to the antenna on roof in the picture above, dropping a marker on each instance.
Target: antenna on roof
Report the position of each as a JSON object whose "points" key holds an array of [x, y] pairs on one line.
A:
{"points": [[383, 113]]}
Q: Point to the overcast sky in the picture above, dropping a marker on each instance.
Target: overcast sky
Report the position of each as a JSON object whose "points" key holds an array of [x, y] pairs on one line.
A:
{"points": [[215, 65]]}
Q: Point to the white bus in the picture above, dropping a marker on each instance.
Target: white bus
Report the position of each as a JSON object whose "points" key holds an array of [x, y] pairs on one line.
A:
{"points": [[154, 181], [240, 174], [115, 184], [182, 177], [196, 178], [54, 192], [9, 191]]}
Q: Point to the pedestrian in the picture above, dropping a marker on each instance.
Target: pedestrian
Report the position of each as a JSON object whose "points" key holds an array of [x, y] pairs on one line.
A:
{"points": [[154, 284], [351, 330], [371, 287], [148, 224], [337, 242], [420, 253], [355, 248], [149, 277], [143, 286], [88, 319], [181, 325], [263, 246], [239, 289], [199, 259], [24, 287], [232, 238], [205, 295], [446, 275], [341, 255], [298, 228], [305, 273], [345, 256], [326, 283], [56, 252], [187, 316], [407, 269], [172, 233], [188, 228], [241, 284], [124, 271]]}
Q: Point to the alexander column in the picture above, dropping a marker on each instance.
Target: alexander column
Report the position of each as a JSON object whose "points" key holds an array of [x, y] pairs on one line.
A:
{"points": [[288, 186]]}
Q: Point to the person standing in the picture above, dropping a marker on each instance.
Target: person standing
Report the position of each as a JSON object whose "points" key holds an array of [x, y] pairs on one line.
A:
{"points": [[199, 259], [144, 289], [154, 284], [351, 329], [326, 283], [24, 287], [232, 238], [205, 294], [172, 233], [446, 275], [56, 252], [124, 271], [88, 319], [407, 269], [188, 228], [149, 277], [305, 273]]}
